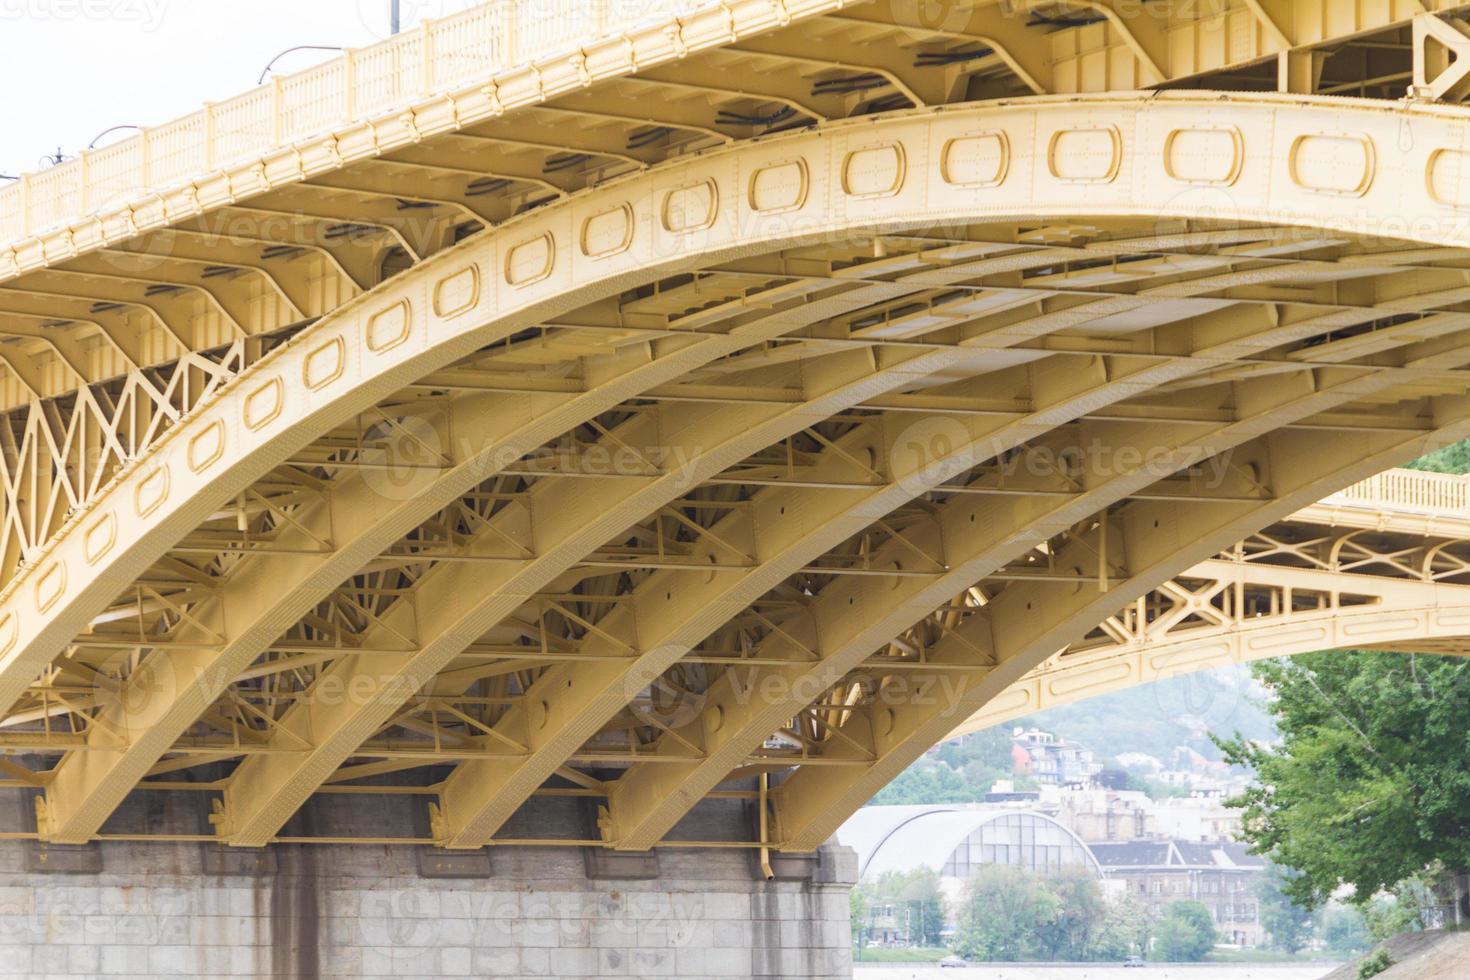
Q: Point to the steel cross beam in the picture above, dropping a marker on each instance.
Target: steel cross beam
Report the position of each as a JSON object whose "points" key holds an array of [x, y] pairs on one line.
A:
{"points": [[630, 289], [1362, 611], [654, 799], [455, 603], [1155, 540], [489, 797], [487, 433], [261, 795]]}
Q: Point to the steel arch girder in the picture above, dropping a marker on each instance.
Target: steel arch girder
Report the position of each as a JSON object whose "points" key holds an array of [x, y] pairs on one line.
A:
{"points": [[1028, 180], [268, 788], [455, 604], [1025, 625], [649, 799], [490, 430], [262, 426], [478, 797], [276, 590], [1407, 611]]}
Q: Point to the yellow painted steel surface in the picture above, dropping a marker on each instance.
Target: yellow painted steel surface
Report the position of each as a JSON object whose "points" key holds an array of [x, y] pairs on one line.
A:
{"points": [[636, 409]]}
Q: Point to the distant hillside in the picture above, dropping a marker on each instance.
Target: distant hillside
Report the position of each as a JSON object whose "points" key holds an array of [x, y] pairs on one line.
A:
{"points": [[1157, 718], [1154, 719]]}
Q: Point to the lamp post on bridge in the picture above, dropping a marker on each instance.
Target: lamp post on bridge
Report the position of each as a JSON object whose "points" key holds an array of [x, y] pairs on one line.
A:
{"points": [[393, 16]]}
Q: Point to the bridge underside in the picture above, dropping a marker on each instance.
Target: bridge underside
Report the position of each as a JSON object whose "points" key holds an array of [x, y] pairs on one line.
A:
{"points": [[671, 467], [1353, 574]]}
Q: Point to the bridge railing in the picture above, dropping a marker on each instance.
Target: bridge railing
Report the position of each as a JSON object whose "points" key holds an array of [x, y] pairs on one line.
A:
{"points": [[1409, 490], [439, 56]]}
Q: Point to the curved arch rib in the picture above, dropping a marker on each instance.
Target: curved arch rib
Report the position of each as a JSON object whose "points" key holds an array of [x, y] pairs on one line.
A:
{"points": [[1156, 541], [478, 797], [260, 429], [258, 601], [455, 604], [650, 798], [1408, 614], [431, 340]]}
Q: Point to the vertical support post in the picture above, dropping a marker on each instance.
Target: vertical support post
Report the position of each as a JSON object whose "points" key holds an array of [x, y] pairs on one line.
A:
{"points": [[277, 104], [145, 165], [427, 48], [84, 192], [765, 827], [510, 38], [1299, 71], [349, 83], [210, 129]]}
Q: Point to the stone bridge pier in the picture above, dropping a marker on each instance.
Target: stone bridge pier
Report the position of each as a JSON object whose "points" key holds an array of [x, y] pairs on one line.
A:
{"points": [[294, 910]]}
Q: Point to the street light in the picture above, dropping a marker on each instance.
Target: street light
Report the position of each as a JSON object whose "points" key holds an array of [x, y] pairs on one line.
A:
{"points": [[394, 23], [110, 129], [299, 47]]}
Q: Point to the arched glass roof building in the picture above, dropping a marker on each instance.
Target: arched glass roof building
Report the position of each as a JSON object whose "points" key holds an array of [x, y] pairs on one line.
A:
{"points": [[954, 841]]}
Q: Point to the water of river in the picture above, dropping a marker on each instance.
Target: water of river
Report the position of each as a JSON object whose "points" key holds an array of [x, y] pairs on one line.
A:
{"points": [[1159, 971]]}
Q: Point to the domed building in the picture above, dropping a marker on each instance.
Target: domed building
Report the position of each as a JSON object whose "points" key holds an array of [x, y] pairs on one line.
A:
{"points": [[956, 840]]}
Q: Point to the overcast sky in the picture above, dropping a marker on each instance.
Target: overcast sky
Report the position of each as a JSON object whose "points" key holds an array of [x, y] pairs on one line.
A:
{"points": [[72, 68]]}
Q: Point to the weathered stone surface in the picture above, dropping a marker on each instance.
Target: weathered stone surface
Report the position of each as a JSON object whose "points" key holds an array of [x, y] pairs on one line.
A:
{"points": [[179, 909]]}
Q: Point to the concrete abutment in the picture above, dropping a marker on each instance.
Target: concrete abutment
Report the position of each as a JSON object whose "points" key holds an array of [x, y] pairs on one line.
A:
{"points": [[307, 910]]}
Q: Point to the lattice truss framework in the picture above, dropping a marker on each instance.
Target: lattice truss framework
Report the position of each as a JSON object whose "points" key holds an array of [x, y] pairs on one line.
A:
{"points": [[693, 529], [1310, 584]]}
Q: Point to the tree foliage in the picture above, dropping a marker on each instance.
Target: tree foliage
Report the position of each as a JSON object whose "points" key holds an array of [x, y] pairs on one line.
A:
{"points": [[1004, 911], [1186, 934], [1370, 784], [1013, 914], [1344, 932], [859, 911], [1450, 459], [1080, 918], [1290, 926], [916, 896]]}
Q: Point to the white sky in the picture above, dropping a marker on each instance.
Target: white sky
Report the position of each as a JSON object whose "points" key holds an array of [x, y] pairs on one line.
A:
{"points": [[71, 68]]}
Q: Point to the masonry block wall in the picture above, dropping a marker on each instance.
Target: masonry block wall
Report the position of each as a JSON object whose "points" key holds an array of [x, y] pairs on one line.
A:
{"points": [[190, 909]]}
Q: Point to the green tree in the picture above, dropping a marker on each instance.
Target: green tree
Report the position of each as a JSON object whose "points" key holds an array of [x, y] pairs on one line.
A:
{"points": [[1080, 915], [1450, 459], [1127, 928], [916, 896], [928, 782], [1344, 932], [1290, 926], [1408, 907], [1186, 934], [859, 907], [1370, 783], [1003, 909]]}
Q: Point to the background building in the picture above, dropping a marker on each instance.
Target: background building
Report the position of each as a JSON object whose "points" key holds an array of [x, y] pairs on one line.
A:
{"points": [[1052, 761], [954, 841], [1220, 875]]}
